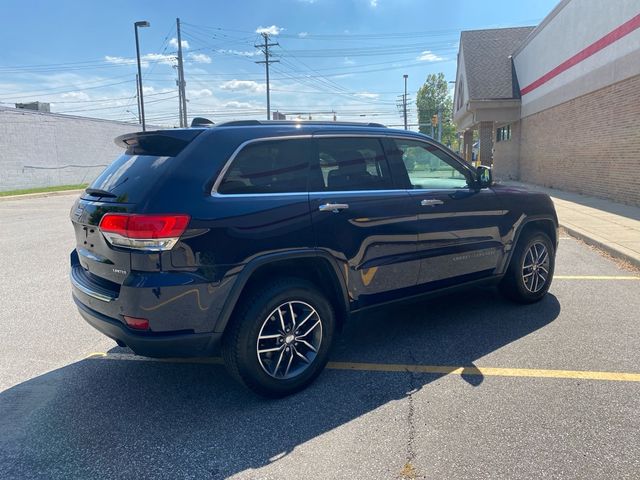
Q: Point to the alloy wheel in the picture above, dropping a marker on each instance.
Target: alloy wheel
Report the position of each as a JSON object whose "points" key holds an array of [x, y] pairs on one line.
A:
{"points": [[289, 340], [535, 267]]}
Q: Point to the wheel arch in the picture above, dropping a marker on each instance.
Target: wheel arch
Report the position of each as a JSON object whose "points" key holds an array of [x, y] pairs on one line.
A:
{"points": [[546, 224], [312, 265]]}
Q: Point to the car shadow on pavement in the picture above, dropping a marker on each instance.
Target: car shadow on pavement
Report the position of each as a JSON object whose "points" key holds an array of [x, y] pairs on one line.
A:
{"points": [[135, 419]]}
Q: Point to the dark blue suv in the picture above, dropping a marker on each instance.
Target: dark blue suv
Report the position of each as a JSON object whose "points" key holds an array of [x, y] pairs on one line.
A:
{"points": [[262, 238]]}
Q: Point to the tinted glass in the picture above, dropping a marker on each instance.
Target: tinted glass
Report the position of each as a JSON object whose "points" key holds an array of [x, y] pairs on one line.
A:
{"points": [[130, 177], [428, 166], [279, 166], [349, 164]]}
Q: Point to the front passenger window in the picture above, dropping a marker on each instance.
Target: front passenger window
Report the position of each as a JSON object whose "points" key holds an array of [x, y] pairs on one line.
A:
{"points": [[429, 167]]}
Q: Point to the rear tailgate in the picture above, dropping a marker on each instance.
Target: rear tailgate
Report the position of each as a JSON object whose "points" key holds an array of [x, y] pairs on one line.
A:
{"points": [[120, 188], [95, 255]]}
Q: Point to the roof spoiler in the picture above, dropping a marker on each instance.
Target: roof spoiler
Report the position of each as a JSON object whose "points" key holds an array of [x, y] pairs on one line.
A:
{"points": [[201, 122], [162, 143]]}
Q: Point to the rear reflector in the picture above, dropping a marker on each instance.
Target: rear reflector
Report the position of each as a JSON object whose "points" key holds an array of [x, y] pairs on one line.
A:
{"points": [[137, 323], [143, 232]]}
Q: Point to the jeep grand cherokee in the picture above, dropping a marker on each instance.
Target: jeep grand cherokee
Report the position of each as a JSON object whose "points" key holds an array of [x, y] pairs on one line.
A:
{"points": [[262, 238]]}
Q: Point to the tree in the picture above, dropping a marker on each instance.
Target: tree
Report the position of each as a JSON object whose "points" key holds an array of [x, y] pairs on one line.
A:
{"points": [[434, 95]]}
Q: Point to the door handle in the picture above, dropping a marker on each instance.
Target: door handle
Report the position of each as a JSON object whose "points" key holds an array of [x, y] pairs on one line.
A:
{"points": [[333, 207], [431, 202]]}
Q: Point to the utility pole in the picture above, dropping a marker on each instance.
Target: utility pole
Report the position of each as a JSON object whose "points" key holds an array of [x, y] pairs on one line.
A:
{"points": [[179, 96], [265, 49], [404, 101], [181, 86], [439, 123]]}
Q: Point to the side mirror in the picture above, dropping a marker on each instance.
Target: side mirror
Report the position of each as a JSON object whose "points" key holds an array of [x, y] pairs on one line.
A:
{"points": [[485, 177]]}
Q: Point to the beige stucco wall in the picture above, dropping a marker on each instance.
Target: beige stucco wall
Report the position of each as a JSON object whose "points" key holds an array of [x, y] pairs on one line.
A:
{"points": [[506, 154]]}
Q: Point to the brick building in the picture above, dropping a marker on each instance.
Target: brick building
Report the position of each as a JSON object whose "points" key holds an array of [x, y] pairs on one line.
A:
{"points": [[558, 104]]}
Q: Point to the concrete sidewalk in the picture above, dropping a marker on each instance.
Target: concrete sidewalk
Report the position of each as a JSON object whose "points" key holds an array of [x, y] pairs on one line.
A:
{"points": [[610, 226]]}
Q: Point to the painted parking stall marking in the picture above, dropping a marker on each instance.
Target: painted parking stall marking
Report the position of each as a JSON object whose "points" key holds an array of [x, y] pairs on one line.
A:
{"points": [[596, 277], [413, 368]]}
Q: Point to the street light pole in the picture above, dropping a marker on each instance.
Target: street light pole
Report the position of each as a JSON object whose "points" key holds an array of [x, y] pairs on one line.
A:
{"points": [[138, 97], [405, 100], [136, 25]]}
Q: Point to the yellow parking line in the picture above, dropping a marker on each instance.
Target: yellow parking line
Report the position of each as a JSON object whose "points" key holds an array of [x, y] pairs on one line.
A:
{"points": [[488, 371], [397, 367], [596, 277]]}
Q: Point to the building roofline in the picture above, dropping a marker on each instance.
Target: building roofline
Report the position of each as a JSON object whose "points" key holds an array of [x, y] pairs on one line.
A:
{"points": [[496, 29], [25, 111]]}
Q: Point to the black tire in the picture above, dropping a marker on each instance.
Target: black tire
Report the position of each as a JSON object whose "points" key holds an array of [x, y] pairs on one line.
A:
{"points": [[513, 285], [240, 343]]}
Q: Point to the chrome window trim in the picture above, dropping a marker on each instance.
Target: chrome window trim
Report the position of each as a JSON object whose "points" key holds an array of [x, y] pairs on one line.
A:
{"points": [[350, 192], [236, 152]]}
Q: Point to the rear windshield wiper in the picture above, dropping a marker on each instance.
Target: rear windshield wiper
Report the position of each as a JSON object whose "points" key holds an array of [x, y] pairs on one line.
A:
{"points": [[96, 192]]}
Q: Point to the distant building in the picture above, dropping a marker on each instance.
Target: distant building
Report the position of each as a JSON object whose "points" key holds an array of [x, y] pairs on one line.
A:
{"points": [[37, 106], [557, 104], [278, 116]]}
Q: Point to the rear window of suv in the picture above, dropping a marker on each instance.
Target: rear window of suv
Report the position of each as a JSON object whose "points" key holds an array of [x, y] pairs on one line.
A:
{"points": [[147, 157], [129, 178]]}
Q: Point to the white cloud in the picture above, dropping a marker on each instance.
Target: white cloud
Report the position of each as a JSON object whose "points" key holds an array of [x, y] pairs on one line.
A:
{"points": [[348, 61], [144, 59], [272, 30], [428, 56], [303, 34], [242, 53], [205, 92], [160, 58], [75, 95], [247, 85], [235, 104], [200, 57], [174, 43], [120, 60], [367, 95], [373, 3]]}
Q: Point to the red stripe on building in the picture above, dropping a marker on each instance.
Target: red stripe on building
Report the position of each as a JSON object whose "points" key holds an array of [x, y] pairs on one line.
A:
{"points": [[611, 37]]}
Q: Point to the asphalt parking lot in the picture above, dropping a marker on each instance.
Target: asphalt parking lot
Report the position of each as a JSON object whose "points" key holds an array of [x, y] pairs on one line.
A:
{"points": [[550, 390]]}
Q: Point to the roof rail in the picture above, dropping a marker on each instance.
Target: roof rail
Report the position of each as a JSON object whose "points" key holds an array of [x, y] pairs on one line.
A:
{"points": [[249, 123]]}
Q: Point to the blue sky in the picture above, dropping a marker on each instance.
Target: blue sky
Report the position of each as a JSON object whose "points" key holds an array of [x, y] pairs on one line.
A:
{"points": [[345, 56]]}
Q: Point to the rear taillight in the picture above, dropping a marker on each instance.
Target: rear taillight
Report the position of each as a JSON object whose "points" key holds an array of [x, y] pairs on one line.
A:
{"points": [[143, 232], [136, 322]]}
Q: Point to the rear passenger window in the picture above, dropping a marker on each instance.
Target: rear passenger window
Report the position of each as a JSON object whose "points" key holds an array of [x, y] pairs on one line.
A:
{"points": [[279, 166], [349, 164]]}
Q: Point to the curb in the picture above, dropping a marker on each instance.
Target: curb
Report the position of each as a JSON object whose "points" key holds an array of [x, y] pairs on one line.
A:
{"points": [[55, 193], [612, 250]]}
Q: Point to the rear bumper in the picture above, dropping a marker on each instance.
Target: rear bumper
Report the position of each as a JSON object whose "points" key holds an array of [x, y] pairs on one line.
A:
{"points": [[152, 344]]}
